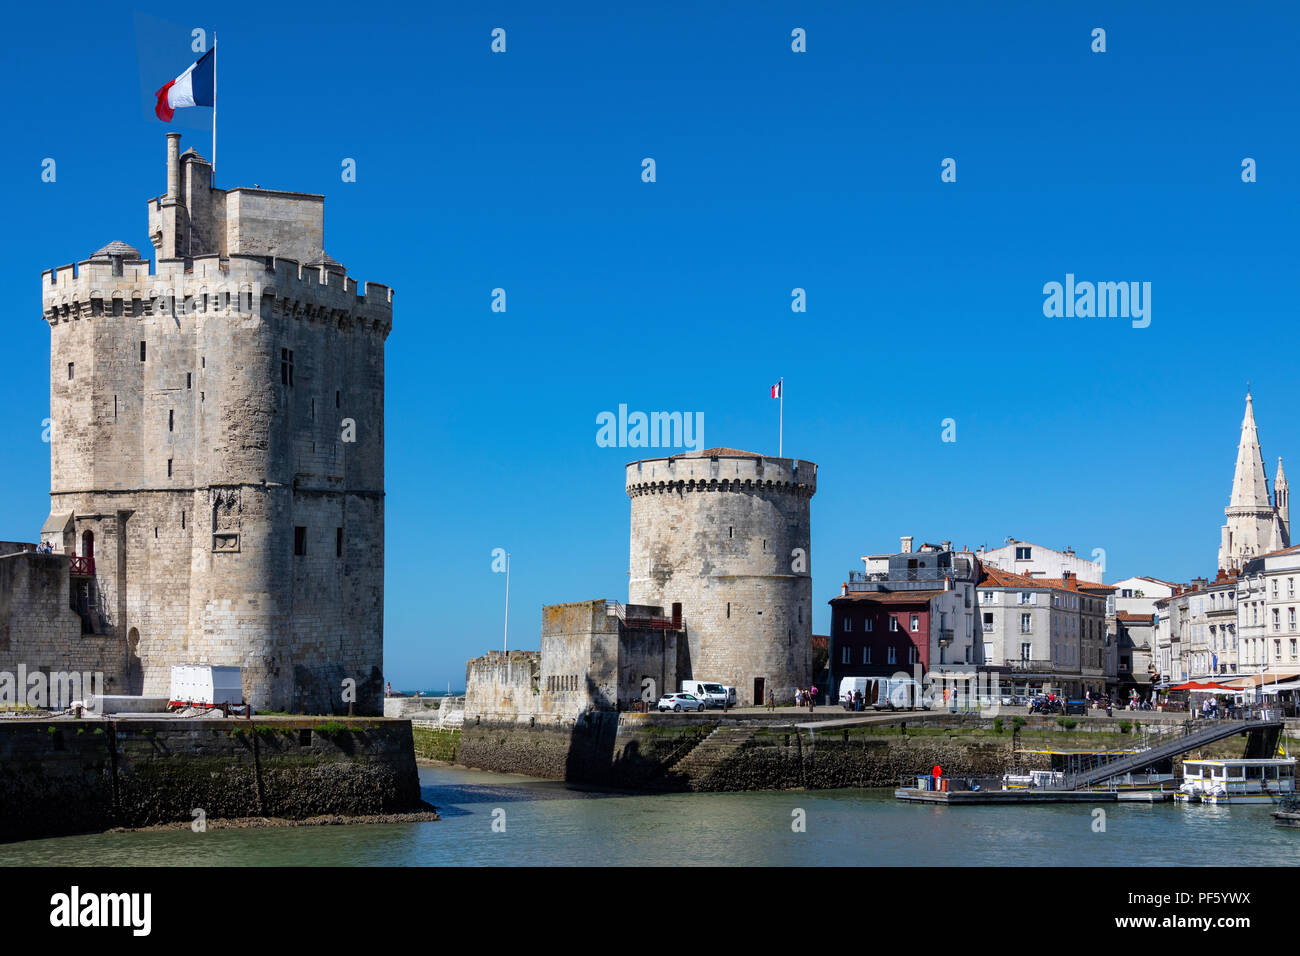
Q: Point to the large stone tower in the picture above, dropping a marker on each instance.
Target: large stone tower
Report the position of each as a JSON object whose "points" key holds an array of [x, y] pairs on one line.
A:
{"points": [[1257, 523], [217, 456], [727, 534]]}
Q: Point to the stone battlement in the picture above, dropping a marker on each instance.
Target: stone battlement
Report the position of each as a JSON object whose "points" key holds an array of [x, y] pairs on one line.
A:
{"points": [[684, 473], [91, 287]]}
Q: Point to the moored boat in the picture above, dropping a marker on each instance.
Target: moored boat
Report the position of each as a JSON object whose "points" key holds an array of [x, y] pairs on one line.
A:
{"points": [[1287, 813], [1237, 781]]}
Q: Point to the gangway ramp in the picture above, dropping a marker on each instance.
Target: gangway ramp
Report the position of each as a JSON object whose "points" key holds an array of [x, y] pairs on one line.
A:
{"points": [[1197, 734]]}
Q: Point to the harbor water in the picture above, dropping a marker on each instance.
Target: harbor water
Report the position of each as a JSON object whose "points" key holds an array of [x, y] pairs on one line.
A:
{"points": [[497, 819]]}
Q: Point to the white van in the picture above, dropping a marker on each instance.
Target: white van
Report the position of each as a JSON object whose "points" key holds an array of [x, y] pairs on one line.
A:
{"points": [[885, 693], [712, 693], [849, 685]]}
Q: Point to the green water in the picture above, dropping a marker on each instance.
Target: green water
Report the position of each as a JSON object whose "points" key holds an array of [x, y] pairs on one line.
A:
{"points": [[548, 824]]}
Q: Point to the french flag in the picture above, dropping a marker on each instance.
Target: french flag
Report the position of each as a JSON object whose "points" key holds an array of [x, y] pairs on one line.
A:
{"points": [[776, 389], [197, 86]]}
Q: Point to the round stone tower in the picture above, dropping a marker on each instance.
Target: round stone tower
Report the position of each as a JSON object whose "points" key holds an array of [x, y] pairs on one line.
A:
{"points": [[727, 534]]}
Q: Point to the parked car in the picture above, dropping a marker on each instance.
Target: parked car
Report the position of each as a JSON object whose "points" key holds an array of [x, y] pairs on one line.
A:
{"points": [[711, 693], [679, 702]]}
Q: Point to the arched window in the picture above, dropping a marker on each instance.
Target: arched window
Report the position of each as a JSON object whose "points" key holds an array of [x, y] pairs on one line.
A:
{"points": [[88, 544]]}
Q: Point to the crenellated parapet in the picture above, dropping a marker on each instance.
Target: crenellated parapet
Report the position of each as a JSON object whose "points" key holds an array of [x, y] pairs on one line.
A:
{"points": [[215, 285], [703, 472]]}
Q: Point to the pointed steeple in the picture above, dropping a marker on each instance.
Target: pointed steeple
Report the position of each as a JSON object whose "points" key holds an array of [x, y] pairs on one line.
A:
{"points": [[1249, 483], [1282, 498]]}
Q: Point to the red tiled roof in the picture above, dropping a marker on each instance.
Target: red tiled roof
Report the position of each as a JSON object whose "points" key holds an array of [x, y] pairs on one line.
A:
{"points": [[1144, 577], [998, 578], [890, 597], [1131, 616], [721, 453]]}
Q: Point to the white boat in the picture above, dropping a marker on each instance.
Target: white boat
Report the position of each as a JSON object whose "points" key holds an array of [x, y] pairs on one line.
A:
{"points": [[1237, 781]]}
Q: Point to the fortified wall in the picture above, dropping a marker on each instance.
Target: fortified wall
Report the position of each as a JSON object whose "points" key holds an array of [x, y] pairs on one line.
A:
{"points": [[217, 456], [75, 776], [40, 631], [595, 656]]}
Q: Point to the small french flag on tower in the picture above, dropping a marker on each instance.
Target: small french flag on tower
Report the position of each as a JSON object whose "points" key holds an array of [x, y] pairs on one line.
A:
{"points": [[197, 86], [776, 390]]}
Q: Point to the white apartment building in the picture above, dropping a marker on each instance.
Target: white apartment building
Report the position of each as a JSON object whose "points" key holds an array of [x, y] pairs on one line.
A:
{"points": [[1196, 631], [1043, 635], [1267, 607], [1036, 561], [1138, 595]]}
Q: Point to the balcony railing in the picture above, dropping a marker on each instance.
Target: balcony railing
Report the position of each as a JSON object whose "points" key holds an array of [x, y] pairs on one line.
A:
{"points": [[901, 575], [1024, 664], [638, 617], [81, 566]]}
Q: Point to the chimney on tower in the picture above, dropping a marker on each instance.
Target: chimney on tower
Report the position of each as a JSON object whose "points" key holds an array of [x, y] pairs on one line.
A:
{"points": [[905, 544], [173, 215]]}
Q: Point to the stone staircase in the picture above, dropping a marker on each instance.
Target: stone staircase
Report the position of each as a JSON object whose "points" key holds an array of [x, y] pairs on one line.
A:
{"points": [[692, 771]]}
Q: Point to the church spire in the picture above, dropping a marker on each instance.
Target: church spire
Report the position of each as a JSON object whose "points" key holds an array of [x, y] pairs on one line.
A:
{"points": [[1249, 483], [1256, 522], [1282, 498]]}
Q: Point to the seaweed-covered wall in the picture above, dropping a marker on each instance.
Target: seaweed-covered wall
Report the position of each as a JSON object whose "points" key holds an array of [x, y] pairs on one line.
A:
{"points": [[71, 776], [714, 752]]}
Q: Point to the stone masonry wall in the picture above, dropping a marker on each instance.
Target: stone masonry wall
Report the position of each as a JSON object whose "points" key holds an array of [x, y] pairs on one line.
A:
{"points": [[73, 776], [729, 537], [256, 408], [503, 686], [39, 630]]}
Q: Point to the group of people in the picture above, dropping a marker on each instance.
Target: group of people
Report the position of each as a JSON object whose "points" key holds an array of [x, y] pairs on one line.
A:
{"points": [[1046, 704], [805, 697], [1210, 707], [44, 548], [854, 701]]}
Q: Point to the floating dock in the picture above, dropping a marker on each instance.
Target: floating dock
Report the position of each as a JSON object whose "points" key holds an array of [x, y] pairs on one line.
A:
{"points": [[972, 797]]}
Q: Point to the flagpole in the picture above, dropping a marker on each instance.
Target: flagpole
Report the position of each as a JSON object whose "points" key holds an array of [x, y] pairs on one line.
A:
{"points": [[505, 633], [214, 103], [780, 436]]}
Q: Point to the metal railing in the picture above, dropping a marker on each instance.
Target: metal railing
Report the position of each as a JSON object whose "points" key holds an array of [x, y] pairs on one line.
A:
{"points": [[907, 574], [1023, 664], [1189, 735], [635, 619]]}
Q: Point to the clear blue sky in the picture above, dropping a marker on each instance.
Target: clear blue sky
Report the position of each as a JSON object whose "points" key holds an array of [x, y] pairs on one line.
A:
{"points": [[775, 170]]}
